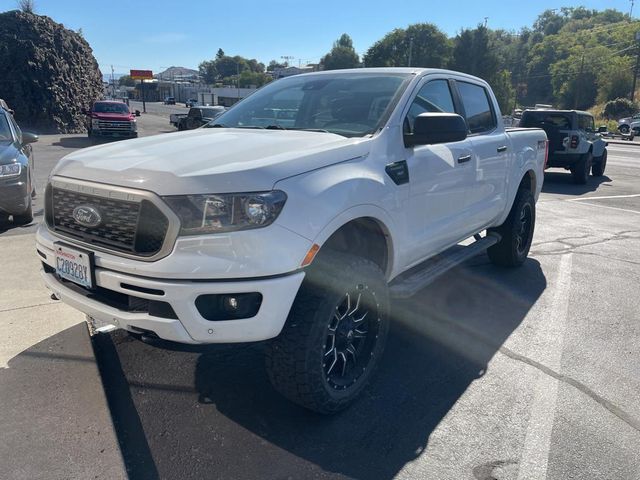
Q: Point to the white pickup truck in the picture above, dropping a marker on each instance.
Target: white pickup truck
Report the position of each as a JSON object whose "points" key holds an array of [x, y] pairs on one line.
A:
{"points": [[296, 233]]}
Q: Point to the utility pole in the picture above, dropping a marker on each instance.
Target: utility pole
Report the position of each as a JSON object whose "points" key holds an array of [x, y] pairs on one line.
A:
{"points": [[410, 50], [635, 70], [579, 84], [631, 9], [113, 84]]}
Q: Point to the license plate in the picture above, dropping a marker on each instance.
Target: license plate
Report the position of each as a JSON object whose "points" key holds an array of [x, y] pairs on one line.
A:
{"points": [[74, 265]]}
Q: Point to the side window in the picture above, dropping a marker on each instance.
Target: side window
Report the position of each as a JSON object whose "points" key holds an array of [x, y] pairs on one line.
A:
{"points": [[585, 122], [475, 99], [16, 128], [434, 96]]}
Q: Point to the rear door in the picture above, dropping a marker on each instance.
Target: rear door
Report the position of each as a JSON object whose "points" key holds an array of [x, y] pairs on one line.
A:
{"points": [[486, 194], [439, 176]]}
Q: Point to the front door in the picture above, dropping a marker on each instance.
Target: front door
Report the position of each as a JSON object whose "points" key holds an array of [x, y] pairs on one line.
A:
{"points": [[439, 176]]}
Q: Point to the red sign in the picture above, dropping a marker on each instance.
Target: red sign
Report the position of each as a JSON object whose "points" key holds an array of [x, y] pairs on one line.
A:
{"points": [[141, 74]]}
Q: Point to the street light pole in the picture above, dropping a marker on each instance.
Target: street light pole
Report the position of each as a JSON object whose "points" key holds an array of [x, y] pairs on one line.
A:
{"points": [[410, 50]]}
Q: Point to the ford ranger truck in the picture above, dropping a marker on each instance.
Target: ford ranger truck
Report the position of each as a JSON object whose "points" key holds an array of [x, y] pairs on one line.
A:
{"points": [[111, 119], [299, 233]]}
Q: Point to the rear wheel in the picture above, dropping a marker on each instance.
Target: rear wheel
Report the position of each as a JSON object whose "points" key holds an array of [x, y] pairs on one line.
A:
{"points": [[334, 336], [624, 129], [599, 164], [516, 232], [580, 171]]}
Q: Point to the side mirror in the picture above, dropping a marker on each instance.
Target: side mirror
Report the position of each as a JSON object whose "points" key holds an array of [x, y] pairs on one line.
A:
{"points": [[433, 128], [137, 112], [28, 137]]}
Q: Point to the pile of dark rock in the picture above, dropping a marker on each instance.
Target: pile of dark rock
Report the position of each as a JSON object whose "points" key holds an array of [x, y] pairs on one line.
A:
{"points": [[47, 73]]}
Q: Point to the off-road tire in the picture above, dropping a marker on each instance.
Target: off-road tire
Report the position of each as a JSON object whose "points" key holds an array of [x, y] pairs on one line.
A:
{"points": [[514, 244], [599, 164], [580, 171], [26, 217], [296, 360]]}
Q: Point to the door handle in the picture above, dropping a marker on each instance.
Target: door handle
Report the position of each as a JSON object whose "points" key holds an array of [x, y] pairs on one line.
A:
{"points": [[464, 158], [501, 149]]}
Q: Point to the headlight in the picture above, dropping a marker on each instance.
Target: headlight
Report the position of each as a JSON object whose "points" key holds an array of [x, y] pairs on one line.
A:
{"points": [[201, 214], [10, 170]]}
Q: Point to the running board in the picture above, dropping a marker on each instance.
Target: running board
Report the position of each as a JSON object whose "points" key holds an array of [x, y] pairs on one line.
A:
{"points": [[414, 280]]}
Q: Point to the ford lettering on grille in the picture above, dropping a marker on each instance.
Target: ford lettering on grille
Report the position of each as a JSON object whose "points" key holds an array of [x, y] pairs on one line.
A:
{"points": [[87, 216]]}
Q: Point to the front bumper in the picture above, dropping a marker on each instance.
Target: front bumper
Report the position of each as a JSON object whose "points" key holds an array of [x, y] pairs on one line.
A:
{"points": [[14, 194], [190, 327]]}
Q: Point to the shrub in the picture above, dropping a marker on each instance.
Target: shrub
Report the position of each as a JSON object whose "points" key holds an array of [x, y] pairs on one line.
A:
{"points": [[620, 107]]}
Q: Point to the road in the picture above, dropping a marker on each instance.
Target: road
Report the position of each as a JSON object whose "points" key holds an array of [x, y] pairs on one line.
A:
{"points": [[530, 373]]}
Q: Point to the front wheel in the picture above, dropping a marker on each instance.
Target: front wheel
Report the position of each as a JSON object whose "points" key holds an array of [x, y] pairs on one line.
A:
{"points": [[599, 164], [334, 336], [26, 217], [516, 232], [624, 129]]}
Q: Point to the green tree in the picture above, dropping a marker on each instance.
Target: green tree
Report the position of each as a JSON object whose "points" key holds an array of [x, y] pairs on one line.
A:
{"points": [[208, 71], [126, 80], [258, 79], [273, 65], [342, 55], [219, 54], [474, 53], [429, 48], [615, 79], [503, 90]]}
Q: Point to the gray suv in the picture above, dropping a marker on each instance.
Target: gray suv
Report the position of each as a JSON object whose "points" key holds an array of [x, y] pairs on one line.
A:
{"points": [[574, 144]]}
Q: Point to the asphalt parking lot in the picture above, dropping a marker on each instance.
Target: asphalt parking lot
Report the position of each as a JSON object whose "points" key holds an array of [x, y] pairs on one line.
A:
{"points": [[488, 374]]}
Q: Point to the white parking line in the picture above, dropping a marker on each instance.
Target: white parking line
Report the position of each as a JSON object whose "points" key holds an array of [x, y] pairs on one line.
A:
{"points": [[535, 452], [602, 198], [607, 206]]}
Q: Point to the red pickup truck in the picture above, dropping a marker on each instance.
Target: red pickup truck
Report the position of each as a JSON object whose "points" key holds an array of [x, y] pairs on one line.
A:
{"points": [[111, 119]]}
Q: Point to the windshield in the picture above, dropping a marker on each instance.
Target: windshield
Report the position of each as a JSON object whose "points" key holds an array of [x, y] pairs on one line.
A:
{"points": [[110, 108], [212, 112], [5, 131], [352, 105], [557, 120]]}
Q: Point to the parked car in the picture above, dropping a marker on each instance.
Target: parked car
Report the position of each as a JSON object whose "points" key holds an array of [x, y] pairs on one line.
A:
{"points": [[108, 118], [169, 101], [192, 102], [17, 187], [243, 232], [630, 124], [574, 143], [197, 117]]}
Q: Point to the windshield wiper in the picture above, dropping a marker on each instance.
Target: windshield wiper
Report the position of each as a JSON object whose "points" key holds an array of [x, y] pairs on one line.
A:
{"points": [[215, 125], [321, 130]]}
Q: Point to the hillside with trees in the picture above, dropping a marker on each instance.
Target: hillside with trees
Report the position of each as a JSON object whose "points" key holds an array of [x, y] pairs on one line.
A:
{"points": [[569, 57]]}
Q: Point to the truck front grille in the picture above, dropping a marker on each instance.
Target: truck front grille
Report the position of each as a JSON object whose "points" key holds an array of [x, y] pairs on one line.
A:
{"points": [[133, 227], [107, 126]]}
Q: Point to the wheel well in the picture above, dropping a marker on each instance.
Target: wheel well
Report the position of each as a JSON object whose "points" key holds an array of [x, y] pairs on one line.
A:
{"points": [[364, 237], [528, 181]]}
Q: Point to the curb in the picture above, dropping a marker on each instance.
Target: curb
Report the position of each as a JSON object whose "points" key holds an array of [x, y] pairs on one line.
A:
{"points": [[623, 142]]}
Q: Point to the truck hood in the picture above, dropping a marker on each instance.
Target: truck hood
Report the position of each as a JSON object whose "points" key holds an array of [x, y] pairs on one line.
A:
{"points": [[210, 160]]}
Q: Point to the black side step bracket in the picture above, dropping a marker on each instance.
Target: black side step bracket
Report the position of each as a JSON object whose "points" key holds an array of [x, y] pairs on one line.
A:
{"points": [[414, 280]]}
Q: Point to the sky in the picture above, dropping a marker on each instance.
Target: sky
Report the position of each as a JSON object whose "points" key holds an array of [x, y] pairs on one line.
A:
{"points": [[154, 35]]}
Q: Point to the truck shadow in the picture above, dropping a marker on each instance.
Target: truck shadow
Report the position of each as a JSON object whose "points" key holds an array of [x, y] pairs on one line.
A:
{"points": [[235, 424], [561, 183]]}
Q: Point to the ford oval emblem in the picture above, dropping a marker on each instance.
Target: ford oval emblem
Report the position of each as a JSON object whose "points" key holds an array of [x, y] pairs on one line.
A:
{"points": [[87, 216]]}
